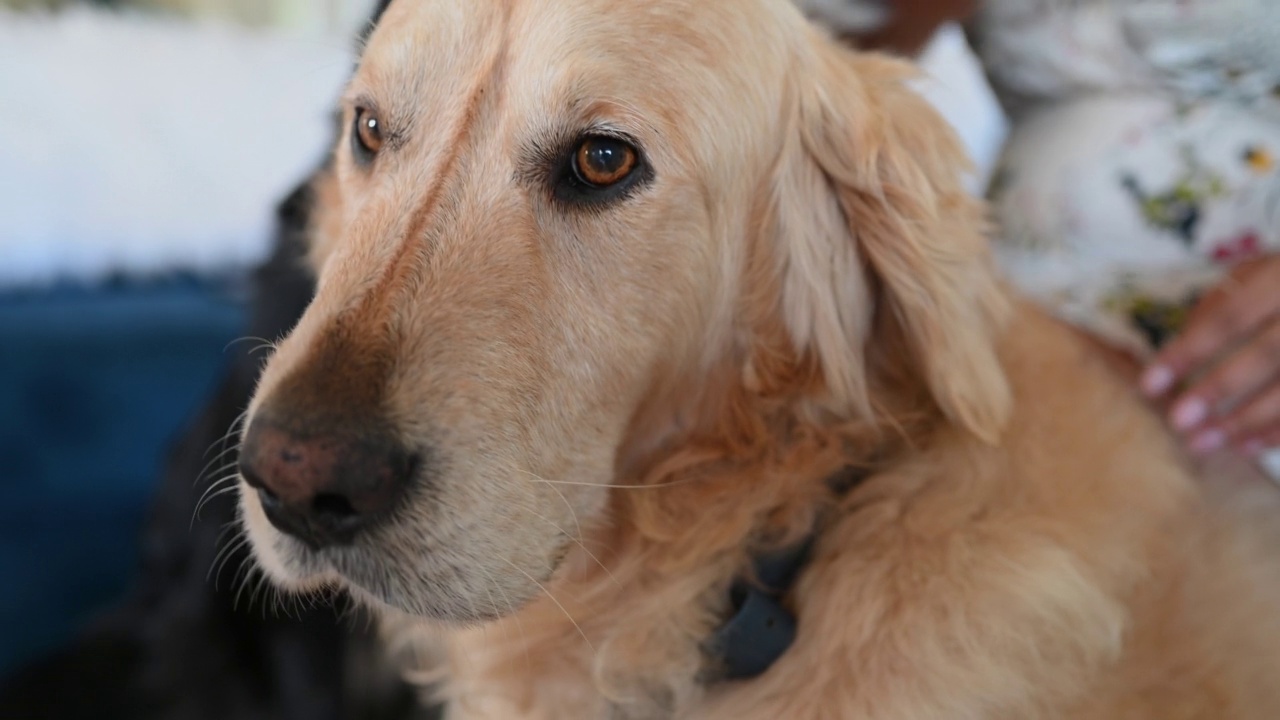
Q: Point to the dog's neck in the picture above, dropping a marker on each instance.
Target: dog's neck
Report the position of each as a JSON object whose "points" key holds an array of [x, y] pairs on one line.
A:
{"points": [[717, 470], [629, 610]]}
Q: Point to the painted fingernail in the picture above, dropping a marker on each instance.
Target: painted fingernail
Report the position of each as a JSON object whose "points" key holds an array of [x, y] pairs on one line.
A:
{"points": [[1190, 413], [1208, 441], [1156, 379]]}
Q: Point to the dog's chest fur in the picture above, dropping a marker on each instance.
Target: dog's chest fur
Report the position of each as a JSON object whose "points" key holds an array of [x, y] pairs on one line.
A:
{"points": [[543, 664]]}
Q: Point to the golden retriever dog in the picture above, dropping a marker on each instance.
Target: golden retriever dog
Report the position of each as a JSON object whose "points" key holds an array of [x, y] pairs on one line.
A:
{"points": [[615, 296]]}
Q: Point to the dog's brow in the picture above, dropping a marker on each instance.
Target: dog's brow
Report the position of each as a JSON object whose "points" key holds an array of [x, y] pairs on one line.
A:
{"points": [[356, 333], [454, 143]]}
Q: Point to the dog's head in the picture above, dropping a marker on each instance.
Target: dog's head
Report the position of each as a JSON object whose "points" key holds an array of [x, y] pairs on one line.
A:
{"points": [[554, 233]]}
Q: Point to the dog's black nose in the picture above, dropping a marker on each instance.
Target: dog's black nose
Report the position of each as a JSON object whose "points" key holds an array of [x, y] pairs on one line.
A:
{"points": [[323, 488]]}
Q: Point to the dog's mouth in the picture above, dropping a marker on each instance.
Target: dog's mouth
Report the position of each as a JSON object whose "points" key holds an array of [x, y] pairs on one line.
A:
{"points": [[385, 585], [455, 581]]}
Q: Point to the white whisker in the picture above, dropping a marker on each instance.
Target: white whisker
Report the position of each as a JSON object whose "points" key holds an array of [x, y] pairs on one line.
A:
{"points": [[244, 575], [230, 430], [222, 441], [577, 525], [553, 599], [511, 612], [219, 560], [581, 544], [260, 340], [227, 483], [205, 471]]}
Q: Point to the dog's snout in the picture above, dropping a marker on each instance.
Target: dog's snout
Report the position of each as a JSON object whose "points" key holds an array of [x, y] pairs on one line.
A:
{"points": [[324, 487]]}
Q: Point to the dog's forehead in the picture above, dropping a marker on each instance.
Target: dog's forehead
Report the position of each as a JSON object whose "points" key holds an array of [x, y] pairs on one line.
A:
{"points": [[557, 51], [431, 47]]}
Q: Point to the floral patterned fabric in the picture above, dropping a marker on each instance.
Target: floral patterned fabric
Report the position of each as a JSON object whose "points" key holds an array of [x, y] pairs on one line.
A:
{"points": [[1052, 50], [1144, 155], [1144, 158], [1118, 212]]}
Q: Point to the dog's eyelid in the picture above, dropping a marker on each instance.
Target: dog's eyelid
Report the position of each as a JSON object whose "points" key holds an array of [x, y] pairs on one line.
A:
{"points": [[361, 100], [367, 104], [608, 130]]}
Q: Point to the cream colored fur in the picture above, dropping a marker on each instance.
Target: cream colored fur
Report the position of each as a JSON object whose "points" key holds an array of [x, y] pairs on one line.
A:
{"points": [[620, 405]]}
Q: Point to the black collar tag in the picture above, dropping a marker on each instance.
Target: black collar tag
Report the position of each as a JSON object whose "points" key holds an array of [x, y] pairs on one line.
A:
{"points": [[760, 629]]}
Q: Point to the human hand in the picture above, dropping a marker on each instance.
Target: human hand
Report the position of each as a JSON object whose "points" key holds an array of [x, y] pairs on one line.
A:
{"points": [[1228, 360]]}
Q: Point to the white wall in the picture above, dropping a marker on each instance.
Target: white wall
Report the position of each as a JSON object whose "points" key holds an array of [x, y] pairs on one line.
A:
{"points": [[329, 18]]}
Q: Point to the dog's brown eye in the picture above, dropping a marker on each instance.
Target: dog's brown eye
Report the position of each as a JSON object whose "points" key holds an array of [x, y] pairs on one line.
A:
{"points": [[367, 136], [597, 170], [602, 161]]}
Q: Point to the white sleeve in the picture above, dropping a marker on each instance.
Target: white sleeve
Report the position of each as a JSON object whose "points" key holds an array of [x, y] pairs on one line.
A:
{"points": [[847, 16], [955, 84]]}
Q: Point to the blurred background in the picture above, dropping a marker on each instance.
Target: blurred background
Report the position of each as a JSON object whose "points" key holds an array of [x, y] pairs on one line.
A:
{"points": [[143, 147], [332, 18]]}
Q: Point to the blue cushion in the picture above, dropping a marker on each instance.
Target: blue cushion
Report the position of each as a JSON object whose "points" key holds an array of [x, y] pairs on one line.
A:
{"points": [[94, 384]]}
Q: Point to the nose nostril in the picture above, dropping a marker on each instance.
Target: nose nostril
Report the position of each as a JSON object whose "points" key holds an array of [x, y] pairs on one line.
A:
{"points": [[323, 488], [334, 506], [268, 499]]}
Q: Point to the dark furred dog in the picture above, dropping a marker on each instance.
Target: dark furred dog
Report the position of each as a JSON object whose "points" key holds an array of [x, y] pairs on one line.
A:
{"points": [[181, 647]]}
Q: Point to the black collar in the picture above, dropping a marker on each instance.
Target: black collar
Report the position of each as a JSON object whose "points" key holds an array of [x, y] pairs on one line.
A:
{"points": [[759, 628]]}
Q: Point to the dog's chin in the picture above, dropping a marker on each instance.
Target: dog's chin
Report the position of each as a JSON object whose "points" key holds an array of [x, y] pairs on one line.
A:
{"points": [[445, 599]]}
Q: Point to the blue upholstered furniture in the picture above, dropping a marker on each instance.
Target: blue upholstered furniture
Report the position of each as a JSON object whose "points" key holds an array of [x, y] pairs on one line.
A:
{"points": [[94, 383]]}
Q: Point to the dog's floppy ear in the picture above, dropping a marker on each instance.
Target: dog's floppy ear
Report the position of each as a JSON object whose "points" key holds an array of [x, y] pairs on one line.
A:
{"points": [[878, 235]]}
